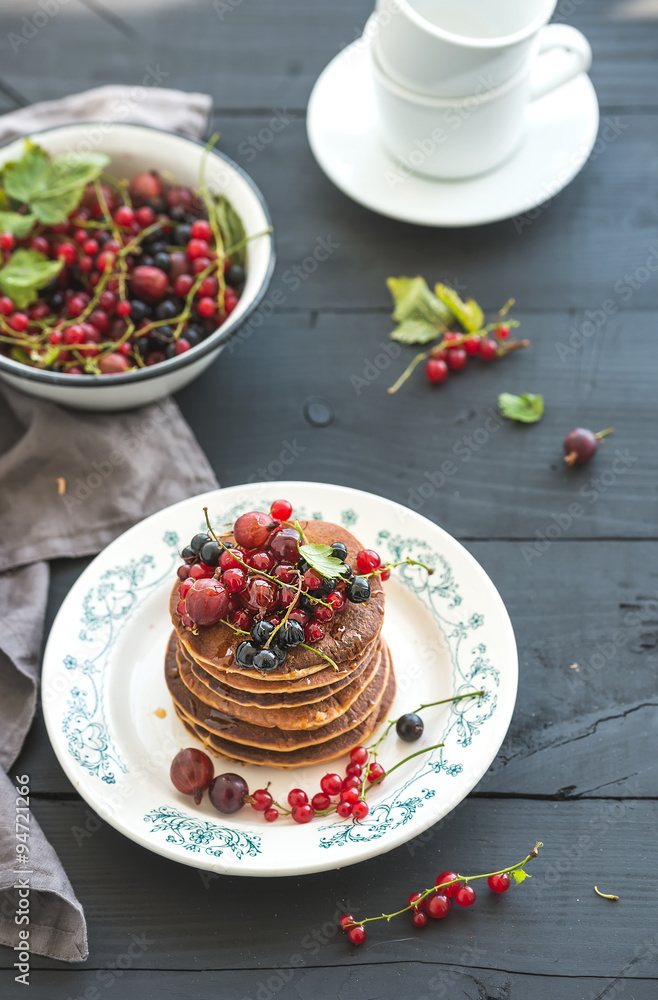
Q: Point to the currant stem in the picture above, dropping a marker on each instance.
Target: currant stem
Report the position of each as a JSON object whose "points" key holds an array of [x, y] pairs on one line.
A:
{"points": [[419, 358], [602, 434], [431, 704], [437, 888], [605, 895], [437, 746]]}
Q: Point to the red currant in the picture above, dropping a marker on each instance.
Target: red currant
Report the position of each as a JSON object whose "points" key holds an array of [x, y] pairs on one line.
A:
{"points": [[488, 349], [419, 919], [351, 781], [6, 306], [124, 216], [184, 586], [182, 285], [197, 248], [367, 560], [502, 332], [261, 561], [465, 895], [331, 784], [350, 795], [285, 572], [67, 253], [320, 802], [360, 809], [208, 287], [312, 579], [472, 345], [353, 770], [438, 906], [302, 813], [385, 575], [346, 920], [297, 797], [499, 883], [299, 616], [322, 613], [448, 890], [240, 618], [227, 559], [234, 579], [313, 632], [182, 345], [457, 359], [436, 370], [90, 247], [271, 815], [40, 244], [7, 241], [123, 309], [357, 934], [337, 600], [207, 307], [413, 898], [344, 809], [281, 510], [359, 755], [18, 322], [261, 800], [201, 230], [145, 216], [376, 771]]}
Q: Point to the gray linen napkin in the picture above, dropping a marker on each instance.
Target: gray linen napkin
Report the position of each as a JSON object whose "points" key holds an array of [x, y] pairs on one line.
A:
{"points": [[70, 482]]}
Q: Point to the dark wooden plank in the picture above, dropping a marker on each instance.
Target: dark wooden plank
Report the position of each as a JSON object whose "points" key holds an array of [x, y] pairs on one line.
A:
{"points": [[385, 981], [257, 54], [554, 924]]}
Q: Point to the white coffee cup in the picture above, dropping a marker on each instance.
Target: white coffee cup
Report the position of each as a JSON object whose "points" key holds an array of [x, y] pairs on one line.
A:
{"points": [[445, 47], [464, 137]]}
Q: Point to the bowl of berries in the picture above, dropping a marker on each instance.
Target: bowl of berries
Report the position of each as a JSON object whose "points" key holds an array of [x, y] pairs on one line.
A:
{"points": [[129, 257]]}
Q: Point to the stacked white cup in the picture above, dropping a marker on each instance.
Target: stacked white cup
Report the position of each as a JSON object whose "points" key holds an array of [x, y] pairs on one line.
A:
{"points": [[453, 79]]}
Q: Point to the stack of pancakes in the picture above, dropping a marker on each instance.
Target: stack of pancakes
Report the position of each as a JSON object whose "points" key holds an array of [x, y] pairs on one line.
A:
{"points": [[304, 712]]}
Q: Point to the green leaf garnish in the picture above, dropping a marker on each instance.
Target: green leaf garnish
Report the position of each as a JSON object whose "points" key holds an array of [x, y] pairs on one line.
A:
{"points": [[232, 229], [16, 224], [527, 408], [52, 187], [25, 273], [23, 178], [415, 331], [468, 313], [414, 300], [520, 875], [321, 559]]}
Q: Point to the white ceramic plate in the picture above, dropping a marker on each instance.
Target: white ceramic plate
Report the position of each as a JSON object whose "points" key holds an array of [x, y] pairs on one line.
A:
{"points": [[343, 134], [103, 684]]}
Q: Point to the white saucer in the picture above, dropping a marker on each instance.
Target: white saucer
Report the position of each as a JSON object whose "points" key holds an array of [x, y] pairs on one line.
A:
{"points": [[343, 134]]}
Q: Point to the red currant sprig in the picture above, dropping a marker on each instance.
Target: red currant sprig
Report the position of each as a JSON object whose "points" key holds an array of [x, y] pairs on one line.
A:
{"points": [[436, 901]]}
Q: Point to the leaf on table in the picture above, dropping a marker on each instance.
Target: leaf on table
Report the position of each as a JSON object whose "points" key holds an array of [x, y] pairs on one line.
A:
{"points": [[16, 224], [468, 313], [414, 300], [528, 408], [25, 273], [322, 559], [415, 331], [232, 229], [520, 876]]}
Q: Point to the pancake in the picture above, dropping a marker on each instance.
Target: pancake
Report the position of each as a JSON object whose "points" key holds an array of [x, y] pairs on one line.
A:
{"points": [[318, 712], [226, 725], [278, 693], [347, 636], [318, 754]]}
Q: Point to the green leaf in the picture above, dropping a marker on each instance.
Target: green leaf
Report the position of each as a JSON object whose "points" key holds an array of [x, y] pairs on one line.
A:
{"points": [[520, 876], [414, 300], [20, 354], [25, 273], [415, 331], [322, 559], [232, 229], [22, 178], [72, 171], [468, 313], [527, 408], [5, 204], [14, 222], [51, 210]]}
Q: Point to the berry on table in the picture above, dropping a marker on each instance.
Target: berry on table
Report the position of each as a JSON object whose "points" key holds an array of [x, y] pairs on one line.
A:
{"points": [[419, 919], [359, 755], [456, 359], [357, 934], [465, 895], [448, 890], [580, 445], [376, 773], [472, 345], [346, 920], [297, 797], [437, 906], [302, 813], [360, 809], [344, 809], [436, 370], [271, 815], [488, 349], [499, 883], [320, 802], [413, 900]]}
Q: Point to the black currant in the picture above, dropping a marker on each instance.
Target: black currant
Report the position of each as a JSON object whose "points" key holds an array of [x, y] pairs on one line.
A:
{"points": [[235, 276], [193, 336], [290, 634], [278, 651], [265, 660], [261, 632], [162, 260], [144, 345], [167, 309], [188, 554], [325, 588], [409, 727], [182, 235], [358, 590], [146, 260], [163, 335], [339, 551], [177, 213], [210, 553], [199, 541], [245, 653], [139, 311]]}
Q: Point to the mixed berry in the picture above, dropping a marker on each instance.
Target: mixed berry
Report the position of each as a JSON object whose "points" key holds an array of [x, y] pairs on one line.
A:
{"points": [[266, 582], [129, 275]]}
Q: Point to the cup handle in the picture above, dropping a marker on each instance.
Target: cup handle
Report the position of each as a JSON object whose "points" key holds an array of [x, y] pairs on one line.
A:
{"points": [[562, 53]]}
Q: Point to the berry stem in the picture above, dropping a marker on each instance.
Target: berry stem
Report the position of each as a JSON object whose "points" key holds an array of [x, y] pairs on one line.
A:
{"points": [[430, 704], [411, 367], [602, 434], [402, 562], [437, 746], [437, 888], [605, 895]]}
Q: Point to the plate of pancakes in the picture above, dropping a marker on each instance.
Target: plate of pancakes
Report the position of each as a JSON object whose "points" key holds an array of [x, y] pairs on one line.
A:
{"points": [[125, 686]]}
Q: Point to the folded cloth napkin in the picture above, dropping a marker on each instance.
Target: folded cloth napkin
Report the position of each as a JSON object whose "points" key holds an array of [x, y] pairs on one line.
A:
{"points": [[70, 482]]}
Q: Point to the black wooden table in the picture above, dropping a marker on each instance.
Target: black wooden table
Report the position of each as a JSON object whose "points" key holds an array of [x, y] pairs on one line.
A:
{"points": [[578, 768]]}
